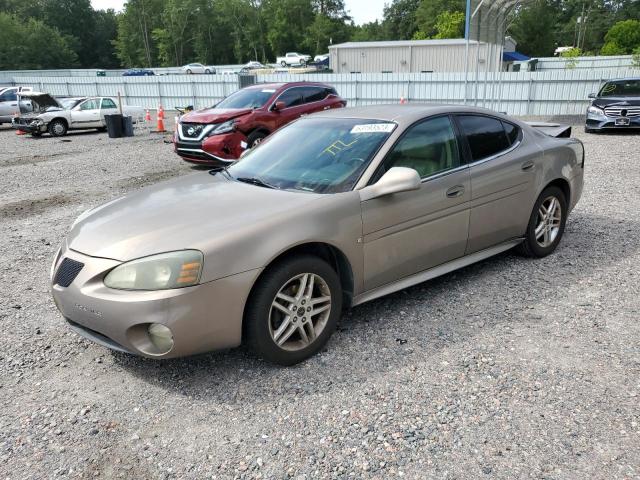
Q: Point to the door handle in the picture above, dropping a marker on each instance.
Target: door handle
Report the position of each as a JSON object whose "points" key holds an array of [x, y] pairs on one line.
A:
{"points": [[526, 166], [456, 191]]}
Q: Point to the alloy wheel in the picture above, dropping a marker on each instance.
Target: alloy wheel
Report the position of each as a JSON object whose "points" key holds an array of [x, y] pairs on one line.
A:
{"points": [[300, 311], [549, 221]]}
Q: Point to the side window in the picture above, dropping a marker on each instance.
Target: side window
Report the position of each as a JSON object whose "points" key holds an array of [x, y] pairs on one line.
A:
{"points": [[314, 94], [89, 105], [486, 136], [108, 103], [512, 132], [429, 148], [291, 97], [9, 96]]}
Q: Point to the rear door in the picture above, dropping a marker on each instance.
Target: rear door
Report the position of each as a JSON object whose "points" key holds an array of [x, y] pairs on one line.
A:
{"points": [[502, 171], [408, 232], [87, 114], [293, 98]]}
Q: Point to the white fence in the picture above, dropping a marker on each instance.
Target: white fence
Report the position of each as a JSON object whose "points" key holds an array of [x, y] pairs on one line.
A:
{"points": [[546, 93], [602, 62]]}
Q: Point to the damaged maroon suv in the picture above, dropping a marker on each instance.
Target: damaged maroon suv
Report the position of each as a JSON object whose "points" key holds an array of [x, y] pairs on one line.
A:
{"points": [[218, 135]]}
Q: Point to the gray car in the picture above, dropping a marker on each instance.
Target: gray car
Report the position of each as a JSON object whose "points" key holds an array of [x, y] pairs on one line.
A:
{"points": [[334, 210]]}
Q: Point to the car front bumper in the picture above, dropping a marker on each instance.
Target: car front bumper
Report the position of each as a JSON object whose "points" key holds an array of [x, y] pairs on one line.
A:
{"points": [[201, 318], [594, 122], [30, 127], [216, 150]]}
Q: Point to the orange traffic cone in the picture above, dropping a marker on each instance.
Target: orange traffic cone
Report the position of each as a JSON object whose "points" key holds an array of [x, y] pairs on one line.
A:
{"points": [[403, 100], [160, 127], [147, 117]]}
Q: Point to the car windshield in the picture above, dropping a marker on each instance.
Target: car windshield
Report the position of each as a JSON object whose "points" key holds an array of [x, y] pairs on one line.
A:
{"points": [[621, 88], [247, 98], [321, 155], [69, 103]]}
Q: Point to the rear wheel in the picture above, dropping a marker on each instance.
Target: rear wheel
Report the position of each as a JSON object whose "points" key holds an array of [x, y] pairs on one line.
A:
{"points": [[283, 63], [189, 71], [207, 71], [293, 310], [57, 128], [546, 224]]}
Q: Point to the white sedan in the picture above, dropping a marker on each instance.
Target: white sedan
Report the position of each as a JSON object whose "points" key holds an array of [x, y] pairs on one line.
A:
{"points": [[197, 68]]}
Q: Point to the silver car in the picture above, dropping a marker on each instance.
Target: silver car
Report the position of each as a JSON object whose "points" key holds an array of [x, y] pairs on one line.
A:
{"points": [[334, 210]]}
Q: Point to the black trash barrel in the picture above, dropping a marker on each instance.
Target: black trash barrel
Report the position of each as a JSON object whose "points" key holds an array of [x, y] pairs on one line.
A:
{"points": [[127, 126], [114, 125]]}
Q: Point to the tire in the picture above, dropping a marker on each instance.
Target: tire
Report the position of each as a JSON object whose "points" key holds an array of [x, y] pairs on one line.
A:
{"points": [[255, 138], [303, 62], [541, 245], [207, 71], [264, 324], [283, 63], [57, 128], [101, 129], [189, 72]]}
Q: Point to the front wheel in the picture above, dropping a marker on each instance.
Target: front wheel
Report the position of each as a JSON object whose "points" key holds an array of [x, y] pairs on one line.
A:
{"points": [[255, 138], [293, 310], [189, 72], [57, 128], [283, 63], [546, 224]]}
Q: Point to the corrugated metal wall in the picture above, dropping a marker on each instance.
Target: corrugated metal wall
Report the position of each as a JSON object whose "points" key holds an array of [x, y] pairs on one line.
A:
{"points": [[617, 61], [557, 92], [406, 59]]}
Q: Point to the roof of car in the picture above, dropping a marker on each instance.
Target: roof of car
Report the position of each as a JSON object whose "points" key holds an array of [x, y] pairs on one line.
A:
{"points": [[401, 113], [286, 84]]}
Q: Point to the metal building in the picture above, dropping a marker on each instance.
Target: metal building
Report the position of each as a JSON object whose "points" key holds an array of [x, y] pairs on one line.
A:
{"points": [[409, 56]]}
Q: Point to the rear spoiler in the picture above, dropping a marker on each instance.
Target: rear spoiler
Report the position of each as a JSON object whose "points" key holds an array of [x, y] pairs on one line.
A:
{"points": [[552, 129]]}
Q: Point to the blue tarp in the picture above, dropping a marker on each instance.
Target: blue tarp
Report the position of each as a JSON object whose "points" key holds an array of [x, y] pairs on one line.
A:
{"points": [[514, 57]]}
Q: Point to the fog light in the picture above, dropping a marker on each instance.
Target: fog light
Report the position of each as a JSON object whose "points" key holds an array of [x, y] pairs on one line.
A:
{"points": [[161, 337]]}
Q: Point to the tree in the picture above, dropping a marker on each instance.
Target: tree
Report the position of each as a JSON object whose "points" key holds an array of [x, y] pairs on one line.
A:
{"points": [[400, 20], [622, 38], [40, 46], [135, 45], [571, 56], [533, 28], [434, 18]]}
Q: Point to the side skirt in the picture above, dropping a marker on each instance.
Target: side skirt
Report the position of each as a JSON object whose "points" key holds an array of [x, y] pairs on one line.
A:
{"points": [[434, 272]]}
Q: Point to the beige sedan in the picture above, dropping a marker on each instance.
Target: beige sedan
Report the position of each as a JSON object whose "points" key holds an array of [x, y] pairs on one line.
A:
{"points": [[335, 209]]}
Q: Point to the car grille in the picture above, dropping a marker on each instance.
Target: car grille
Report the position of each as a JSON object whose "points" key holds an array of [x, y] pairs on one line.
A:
{"points": [[622, 111], [67, 272], [191, 130]]}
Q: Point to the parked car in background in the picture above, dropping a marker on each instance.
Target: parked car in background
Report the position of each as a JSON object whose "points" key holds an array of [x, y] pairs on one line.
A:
{"points": [[321, 58], [334, 210], [11, 103], [219, 135], [615, 106], [58, 117], [197, 68], [253, 66], [138, 72], [293, 58]]}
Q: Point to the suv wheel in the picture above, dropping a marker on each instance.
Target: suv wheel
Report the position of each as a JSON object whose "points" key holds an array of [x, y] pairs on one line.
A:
{"points": [[57, 128], [293, 310], [546, 224]]}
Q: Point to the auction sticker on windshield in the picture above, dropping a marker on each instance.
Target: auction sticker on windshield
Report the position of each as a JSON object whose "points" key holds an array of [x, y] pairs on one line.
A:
{"points": [[373, 128]]}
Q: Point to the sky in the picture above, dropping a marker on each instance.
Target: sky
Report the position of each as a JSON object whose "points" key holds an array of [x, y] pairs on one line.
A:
{"points": [[362, 11]]}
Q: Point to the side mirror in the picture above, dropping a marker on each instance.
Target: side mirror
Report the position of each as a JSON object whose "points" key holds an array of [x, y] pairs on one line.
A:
{"points": [[592, 95], [279, 106], [396, 180]]}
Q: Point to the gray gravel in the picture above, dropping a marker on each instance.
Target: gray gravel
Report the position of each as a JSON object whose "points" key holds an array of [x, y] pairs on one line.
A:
{"points": [[510, 368]]}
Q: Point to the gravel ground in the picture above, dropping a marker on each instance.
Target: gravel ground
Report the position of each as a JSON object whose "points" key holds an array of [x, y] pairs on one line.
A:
{"points": [[510, 368]]}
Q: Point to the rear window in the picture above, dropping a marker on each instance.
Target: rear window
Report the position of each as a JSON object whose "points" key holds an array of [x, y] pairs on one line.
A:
{"points": [[513, 132], [485, 136]]}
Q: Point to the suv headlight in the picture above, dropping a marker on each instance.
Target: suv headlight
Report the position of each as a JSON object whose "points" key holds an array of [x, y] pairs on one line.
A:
{"points": [[158, 272], [595, 111], [225, 127]]}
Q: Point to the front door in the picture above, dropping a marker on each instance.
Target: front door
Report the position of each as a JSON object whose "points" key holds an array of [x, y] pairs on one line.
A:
{"points": [[87, 114], [409, 232]]}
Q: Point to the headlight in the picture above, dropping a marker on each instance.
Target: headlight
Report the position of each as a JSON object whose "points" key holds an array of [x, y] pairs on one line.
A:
{"points": [[225, 127], [595, 111], [158, 272], [36, 123]]}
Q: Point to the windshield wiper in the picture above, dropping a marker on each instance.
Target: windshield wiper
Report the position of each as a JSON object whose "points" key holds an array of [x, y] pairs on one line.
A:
{"points": [[255, 181]]}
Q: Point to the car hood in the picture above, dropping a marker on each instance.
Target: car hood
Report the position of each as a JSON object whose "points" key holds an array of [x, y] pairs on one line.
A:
{"points": [[198, 211], [215, 115], [43, 100], [606, 101]]}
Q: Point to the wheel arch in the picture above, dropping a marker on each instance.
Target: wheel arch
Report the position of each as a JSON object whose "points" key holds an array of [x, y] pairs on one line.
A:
{"points": [[563, 185], [327, 252], [62, 119]]}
